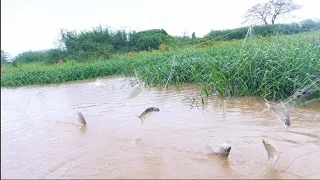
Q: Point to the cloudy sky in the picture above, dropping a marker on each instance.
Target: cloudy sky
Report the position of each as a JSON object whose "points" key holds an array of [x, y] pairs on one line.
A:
{"points": [[35, 24]]}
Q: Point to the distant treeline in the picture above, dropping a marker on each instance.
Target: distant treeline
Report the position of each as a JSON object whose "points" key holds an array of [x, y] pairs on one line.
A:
{"points": [[265, 30], [101, 43]]}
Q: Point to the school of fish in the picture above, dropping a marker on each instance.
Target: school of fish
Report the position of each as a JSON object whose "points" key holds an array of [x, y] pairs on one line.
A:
{"points": [[222, 149]]}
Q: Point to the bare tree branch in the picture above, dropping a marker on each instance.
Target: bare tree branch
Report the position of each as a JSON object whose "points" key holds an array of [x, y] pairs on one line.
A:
{"points": [[281, 7], [269, 11]]}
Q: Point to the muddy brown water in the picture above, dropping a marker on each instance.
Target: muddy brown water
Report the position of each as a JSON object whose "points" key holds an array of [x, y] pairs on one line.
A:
{"points": [[41, 137]]}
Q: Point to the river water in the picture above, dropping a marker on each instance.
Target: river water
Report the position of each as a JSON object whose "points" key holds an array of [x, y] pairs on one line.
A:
{"points": [[42, 138]]}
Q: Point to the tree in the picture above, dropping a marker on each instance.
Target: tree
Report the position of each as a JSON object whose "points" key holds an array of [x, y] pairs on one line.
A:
{"points": [[270, 11], [193, 36], [150, 39], [5, 57]]}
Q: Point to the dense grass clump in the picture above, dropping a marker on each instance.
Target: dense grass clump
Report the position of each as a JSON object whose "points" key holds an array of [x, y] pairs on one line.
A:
{"points": [[41, 73], [276, 65]]}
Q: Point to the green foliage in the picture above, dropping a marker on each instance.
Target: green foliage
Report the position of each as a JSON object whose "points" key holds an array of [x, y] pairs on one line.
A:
{"points": [[101, 43], [193, 36], [30, 56], [151, 39], [54, 55], [50, 56], [5, 57], [89, 44], [186, 40], [264, 30], [278, 65]]}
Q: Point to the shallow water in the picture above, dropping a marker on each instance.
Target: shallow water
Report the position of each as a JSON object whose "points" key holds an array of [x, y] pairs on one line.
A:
{"points": [[42, 138]]}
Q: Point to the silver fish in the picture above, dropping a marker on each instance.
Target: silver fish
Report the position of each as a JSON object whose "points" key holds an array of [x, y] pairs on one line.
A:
{"points": [[98, 83], [283, 115], [147, 112], [272, 151], [81, 119], [281, 112], [221, 149], [134, 91]]}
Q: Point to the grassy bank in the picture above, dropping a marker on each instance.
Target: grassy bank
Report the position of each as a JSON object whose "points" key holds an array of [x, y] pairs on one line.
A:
{"points": [[278, 65]]}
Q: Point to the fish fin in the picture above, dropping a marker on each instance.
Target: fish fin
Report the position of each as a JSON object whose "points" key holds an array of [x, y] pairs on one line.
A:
{"points": [[275, 159], [209, 149], [280, 152], [81, 118], [140, 117], [269, 156], [142, 120]]}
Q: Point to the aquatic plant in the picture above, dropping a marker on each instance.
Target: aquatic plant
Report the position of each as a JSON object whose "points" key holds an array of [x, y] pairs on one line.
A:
{"points": [[277, 65]]}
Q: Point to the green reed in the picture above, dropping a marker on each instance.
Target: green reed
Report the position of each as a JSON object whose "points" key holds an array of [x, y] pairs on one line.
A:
{"points": [[275, 65]]}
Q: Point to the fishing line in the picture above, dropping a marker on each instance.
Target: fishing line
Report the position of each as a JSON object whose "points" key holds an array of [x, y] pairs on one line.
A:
{"points": [[249, 33], [298, 158], [41, 95], [211, 40], [137, 76], [27, 104], [312, 174], [171, 71]]}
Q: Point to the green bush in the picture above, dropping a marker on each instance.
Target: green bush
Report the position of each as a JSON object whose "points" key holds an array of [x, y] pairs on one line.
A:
{"points": [[50, 56], [54, 55], [264, 30], [151, 39], [30, 56], [5, 57]]}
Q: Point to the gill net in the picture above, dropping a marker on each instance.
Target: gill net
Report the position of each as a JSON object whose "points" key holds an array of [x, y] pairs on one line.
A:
{"points": [[230, 69]]}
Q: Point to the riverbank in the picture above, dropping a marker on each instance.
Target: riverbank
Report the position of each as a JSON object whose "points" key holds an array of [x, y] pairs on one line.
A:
{"points": [[256, 67]]}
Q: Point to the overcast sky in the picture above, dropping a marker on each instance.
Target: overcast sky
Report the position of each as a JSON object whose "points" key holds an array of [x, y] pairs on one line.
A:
{"points": [[35, 24]]}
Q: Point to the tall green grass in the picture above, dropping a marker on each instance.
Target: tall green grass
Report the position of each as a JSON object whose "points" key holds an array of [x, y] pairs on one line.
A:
{"points": [[41, 73], [276, 65]]}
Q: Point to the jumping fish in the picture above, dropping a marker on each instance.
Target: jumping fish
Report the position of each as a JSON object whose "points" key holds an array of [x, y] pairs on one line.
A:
{"points": [[281, 112], [283, 115], [98, 83], [272, 151], [222, 149], [147, 112], [81, 119], [134, 91]]}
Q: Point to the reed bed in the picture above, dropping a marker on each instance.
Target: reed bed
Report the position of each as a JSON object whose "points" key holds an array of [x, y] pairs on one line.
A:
{"points": [[276, 65]]}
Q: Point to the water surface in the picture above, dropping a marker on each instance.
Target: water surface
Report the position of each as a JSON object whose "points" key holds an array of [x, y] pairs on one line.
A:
{"points": [[41, 137]]}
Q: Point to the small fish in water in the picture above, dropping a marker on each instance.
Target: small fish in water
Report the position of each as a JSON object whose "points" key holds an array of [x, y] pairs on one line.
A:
{"points": [[81, 119], [147, 112], [134, 91], [98, 83], [221, 149], [283, 115], [272, 151]]}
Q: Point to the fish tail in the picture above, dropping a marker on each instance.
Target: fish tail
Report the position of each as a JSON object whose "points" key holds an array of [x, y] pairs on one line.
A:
{"points": [[140, 117], [275, 159], [209, 149]]}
